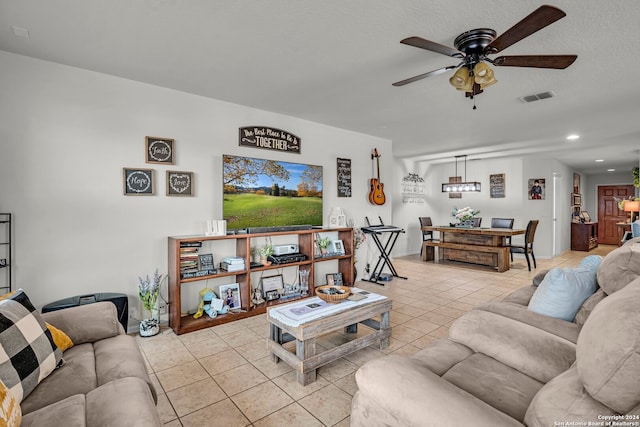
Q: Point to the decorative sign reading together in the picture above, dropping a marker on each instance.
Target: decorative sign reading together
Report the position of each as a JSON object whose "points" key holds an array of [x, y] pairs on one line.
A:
{"points": [[344, 177], [269, 139]]}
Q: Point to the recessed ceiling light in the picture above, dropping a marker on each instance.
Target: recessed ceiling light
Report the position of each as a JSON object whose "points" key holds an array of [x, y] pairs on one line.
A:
{"points": [[573, 136], [611, 170], [599, 160]]}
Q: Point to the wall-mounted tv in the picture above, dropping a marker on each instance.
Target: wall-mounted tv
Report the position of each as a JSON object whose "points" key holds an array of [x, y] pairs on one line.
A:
{"points": [[267, 193]]}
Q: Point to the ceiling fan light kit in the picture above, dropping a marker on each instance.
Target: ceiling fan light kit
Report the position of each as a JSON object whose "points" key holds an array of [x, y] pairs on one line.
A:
{"points": [[461, 187], [473, 48]]}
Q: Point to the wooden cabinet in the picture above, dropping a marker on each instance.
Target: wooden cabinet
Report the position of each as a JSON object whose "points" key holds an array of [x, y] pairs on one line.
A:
{"points": [[584, 236], [181, 290]]}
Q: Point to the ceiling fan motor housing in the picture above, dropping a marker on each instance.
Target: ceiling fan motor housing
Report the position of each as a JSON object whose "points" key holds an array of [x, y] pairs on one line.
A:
{"points": [[475, 41]]}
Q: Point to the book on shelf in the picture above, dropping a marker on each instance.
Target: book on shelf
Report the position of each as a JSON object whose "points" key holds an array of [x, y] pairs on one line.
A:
{"points": [[233, 260], [198, 273], [190, 244], [231, 267]]}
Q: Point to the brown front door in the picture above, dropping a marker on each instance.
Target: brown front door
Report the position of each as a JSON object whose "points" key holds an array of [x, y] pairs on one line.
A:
{"points": [[609, 214]]}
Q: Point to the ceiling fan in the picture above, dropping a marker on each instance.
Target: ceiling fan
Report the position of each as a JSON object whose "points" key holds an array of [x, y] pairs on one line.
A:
{"points": [[474, 47]]}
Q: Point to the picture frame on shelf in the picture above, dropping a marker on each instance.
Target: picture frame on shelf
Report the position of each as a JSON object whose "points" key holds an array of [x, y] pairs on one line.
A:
{"points": [[138, 182], [230, 294], [336, 247], [585, 215], [159, 150], [272, 283], [179, 183], [335, 279]]}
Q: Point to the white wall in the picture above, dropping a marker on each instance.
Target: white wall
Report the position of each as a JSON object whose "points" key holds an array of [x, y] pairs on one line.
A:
{"points": [[65, 136], [515, 204]]}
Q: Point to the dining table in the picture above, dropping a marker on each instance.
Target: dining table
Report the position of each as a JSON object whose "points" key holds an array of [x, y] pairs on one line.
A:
{"points": [[471, 245]]}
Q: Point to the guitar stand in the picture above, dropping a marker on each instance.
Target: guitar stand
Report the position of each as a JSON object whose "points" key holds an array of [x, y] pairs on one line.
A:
{"points": [[376, 232]]}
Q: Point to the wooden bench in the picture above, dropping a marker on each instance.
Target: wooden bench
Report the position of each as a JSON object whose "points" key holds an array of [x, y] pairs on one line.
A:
{"points": [[493, 256]]}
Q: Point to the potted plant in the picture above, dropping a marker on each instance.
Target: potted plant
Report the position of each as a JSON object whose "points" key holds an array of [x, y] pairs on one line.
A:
{"points": [[149, 291], [265, 251], [323, 244]]}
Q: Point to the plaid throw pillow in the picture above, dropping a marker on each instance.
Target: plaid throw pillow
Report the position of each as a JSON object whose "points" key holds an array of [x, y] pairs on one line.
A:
{"points": [[27, 351]]}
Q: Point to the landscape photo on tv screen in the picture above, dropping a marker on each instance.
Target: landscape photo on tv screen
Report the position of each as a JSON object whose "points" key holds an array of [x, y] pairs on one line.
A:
{"points": [[266, 193]]}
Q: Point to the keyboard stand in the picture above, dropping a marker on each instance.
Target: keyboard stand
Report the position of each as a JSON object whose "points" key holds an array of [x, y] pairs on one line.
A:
{"points": [[376, 232]]}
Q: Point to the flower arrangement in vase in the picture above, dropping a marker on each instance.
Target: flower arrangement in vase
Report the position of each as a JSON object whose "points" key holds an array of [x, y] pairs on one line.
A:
{"points": [[149, 290], [464, 216]]}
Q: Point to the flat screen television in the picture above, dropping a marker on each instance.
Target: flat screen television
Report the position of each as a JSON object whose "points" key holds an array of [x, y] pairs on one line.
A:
{"points": [[268, 193]]}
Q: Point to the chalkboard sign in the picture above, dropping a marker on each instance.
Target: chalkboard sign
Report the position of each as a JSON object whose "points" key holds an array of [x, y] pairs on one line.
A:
{"points": [[269, 139], [206, 261], [496, 186], [179, 183], [159, 150], [344, 177], [138, 182]]}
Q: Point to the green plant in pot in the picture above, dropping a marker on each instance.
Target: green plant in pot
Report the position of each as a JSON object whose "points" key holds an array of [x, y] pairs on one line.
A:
{"points": [[265, 251], [323, 244]]}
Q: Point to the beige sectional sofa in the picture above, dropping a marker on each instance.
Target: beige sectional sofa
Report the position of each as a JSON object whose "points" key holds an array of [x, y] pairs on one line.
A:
{"points": [[505, 365], [103, 381]]}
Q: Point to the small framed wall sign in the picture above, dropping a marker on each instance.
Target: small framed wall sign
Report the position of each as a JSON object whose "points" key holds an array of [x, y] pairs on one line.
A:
{"points": [[179, 183], [138, 182], [159, 150]]}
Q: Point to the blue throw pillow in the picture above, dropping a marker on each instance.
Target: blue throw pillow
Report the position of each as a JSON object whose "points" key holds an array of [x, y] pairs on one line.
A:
{"points": [[635, 229], [591, 262], [563, 291]]}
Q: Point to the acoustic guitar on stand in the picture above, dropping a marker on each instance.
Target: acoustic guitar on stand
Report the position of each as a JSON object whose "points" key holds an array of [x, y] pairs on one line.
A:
{"points": [[376, 193]]}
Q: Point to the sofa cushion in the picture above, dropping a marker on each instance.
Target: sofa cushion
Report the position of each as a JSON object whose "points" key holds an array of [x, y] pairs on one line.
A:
{"points": [[521, 296], [608, 350], [588, 306], [76, 376], [10, 413], [27, 351], [564, 399], [69, 412], [529, 349], [441, 355], [129, 398], [620, 267], [495, 383], [563, 291]]}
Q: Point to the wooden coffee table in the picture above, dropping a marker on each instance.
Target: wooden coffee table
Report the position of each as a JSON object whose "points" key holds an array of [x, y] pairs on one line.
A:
{"points": [[349, 313]]}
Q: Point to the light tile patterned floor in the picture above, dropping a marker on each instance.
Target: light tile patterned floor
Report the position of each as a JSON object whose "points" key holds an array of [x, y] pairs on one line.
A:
{"points": [[224, 375]]}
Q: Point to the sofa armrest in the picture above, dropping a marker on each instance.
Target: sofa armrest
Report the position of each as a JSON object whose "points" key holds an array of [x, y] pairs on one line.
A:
{"points": [[515, 311], [530, 350], [87, 323], [396, 390]]}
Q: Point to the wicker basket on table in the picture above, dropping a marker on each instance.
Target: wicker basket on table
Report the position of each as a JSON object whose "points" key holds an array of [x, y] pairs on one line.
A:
{"points": [[338, 293]]}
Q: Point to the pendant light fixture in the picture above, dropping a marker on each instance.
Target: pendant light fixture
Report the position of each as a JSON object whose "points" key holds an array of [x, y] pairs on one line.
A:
{"points": [[461, 187]]}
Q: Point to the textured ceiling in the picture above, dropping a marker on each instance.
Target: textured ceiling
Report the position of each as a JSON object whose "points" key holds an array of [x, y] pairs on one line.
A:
{"points": [[333, 62]]}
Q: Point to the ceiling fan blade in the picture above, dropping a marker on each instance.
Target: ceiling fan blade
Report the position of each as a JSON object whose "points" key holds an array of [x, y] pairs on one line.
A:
{"points": [[422, 76], [432, 46], [537, 20], [536, 61]]}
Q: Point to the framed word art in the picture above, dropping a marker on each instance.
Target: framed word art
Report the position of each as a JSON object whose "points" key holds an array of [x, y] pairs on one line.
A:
{"points": [[138, 182], [179, 183], [159, 150]]}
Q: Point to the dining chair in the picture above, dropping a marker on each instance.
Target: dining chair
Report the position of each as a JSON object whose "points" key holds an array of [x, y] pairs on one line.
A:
{"points": [[503, 223], [426, 235], [527, 247], [476, 221]]}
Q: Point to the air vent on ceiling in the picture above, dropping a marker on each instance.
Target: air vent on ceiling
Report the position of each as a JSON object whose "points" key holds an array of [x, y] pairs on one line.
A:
{"points": [[537, 96]]}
